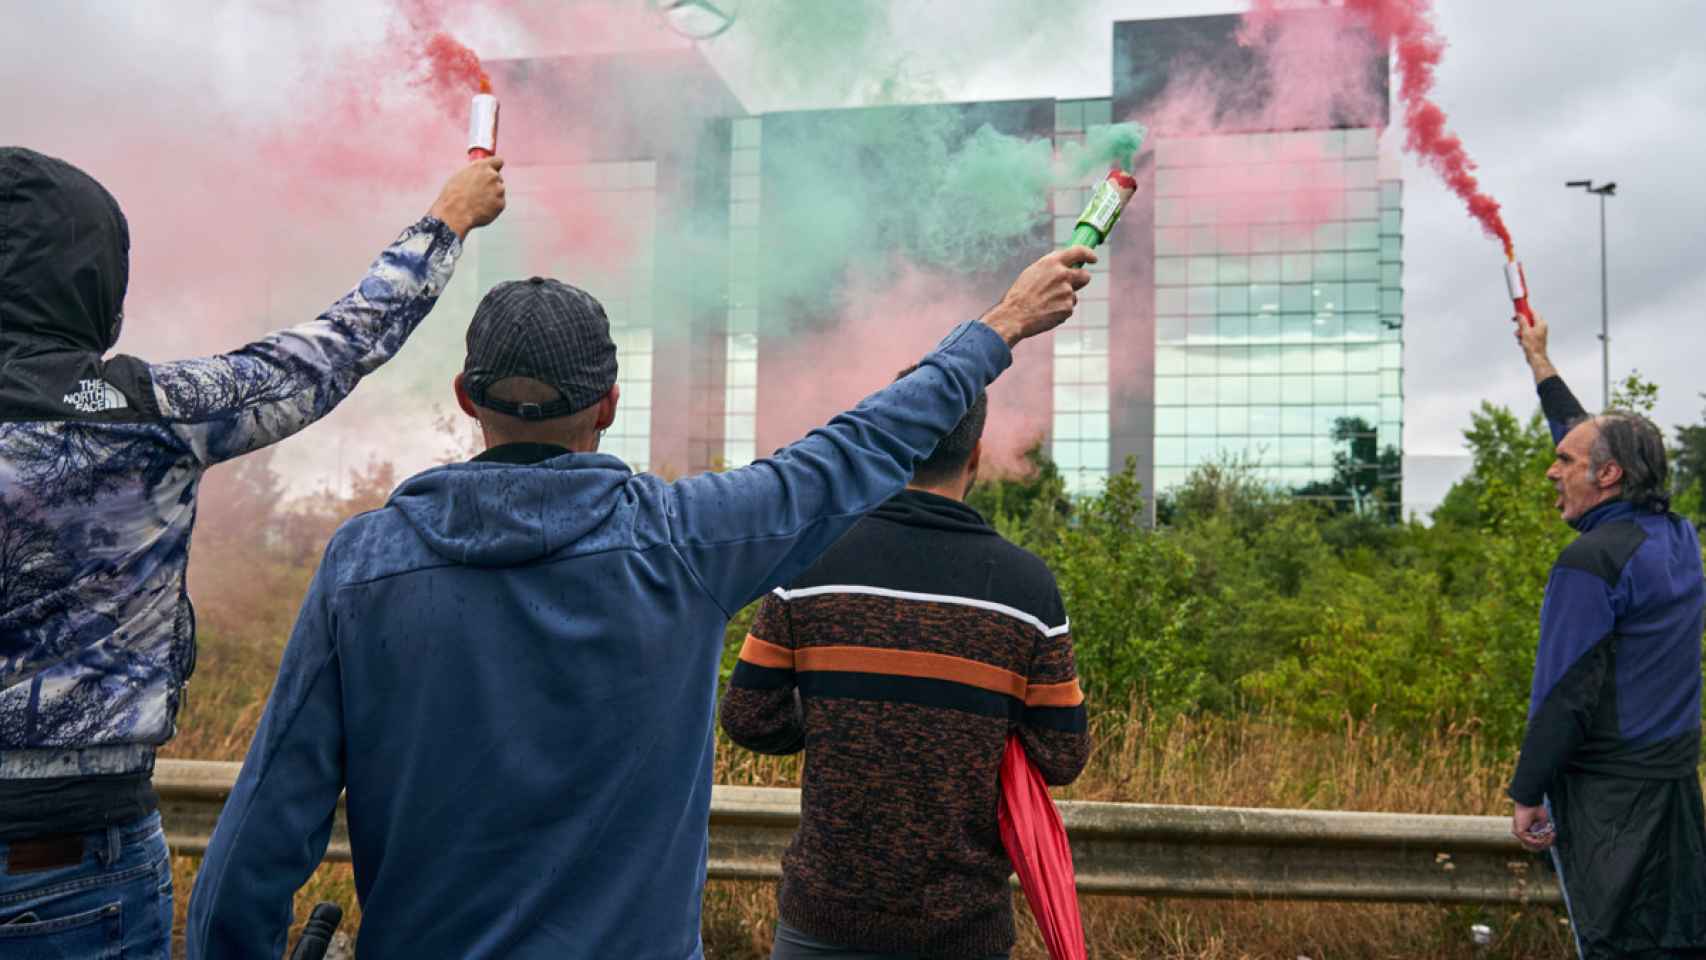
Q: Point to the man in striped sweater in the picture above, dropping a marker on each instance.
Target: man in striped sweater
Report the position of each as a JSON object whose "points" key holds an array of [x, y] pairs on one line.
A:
{"points": [[899, 662]]}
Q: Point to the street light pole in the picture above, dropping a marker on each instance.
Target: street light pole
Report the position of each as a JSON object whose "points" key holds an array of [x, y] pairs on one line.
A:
{"points": [[1603, 190]]}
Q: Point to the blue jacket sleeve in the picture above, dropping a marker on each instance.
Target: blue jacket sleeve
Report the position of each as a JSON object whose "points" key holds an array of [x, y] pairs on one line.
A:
{"points": [[747, 531], [275, 826], [231, 404], [1570, 665], [1561, 407]]}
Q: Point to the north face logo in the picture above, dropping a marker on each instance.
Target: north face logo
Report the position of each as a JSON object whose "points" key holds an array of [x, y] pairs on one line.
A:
{"points": [[95, 396]]}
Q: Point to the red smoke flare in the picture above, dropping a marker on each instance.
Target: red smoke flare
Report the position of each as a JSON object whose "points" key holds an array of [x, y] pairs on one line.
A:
{"points": [[1408, 25]]}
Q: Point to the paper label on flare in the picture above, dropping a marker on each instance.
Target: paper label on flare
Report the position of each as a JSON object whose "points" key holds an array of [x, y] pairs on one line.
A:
{"points": [[1104, 207], [1513, 280]]}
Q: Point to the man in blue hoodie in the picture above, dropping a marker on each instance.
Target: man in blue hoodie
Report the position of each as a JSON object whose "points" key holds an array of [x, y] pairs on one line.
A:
{"points": [[1608, 776], [512, 666], [101, 457]]}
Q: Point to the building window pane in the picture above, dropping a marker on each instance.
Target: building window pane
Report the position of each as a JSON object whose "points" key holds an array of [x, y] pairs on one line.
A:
{"points": [[1234, 327], [1169, 390], [1297, 298], [1362, 235], [1233, 270], [1264, 359], [1170, 421], [1330, 236], [1362, 388], [1202, 300], [1360, 297], [1329, 388], [1297, 420], [1264, 390], [1199, 421], [1297, 390], [1233, 390]]}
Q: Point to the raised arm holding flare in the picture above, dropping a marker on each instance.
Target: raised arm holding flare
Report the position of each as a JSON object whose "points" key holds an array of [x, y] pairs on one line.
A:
{"points": [[100, 461], [512, 666], [1607, 775]]}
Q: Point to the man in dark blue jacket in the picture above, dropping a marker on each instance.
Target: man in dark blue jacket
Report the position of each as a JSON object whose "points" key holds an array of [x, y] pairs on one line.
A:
{"points": [[1608, 774], [512, 666]]}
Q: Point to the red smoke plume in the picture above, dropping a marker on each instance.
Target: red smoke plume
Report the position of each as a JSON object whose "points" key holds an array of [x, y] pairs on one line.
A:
{"points": [[1408, 26], [453, 68]]}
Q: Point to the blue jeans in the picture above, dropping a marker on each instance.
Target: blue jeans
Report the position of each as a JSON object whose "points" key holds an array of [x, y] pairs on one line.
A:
{"points": [[115, 900], [791, 944]]}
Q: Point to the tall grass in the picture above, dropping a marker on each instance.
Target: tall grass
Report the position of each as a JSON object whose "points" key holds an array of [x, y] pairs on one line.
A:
{"points": [[1254, 760]]}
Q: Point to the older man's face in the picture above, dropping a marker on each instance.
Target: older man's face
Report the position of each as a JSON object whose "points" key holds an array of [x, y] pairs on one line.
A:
{"points": [[1579, 488]]}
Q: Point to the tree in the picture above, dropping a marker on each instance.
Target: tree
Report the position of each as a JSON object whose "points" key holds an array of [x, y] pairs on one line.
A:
{"points": [[1688, 470], [1366, 481]]}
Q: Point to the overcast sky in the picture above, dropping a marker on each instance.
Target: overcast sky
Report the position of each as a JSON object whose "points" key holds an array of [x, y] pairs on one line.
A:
{"points": [[1541, 91]]}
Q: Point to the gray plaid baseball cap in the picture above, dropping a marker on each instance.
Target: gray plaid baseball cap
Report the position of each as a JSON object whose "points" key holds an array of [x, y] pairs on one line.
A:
{"points": [[544, 330]]}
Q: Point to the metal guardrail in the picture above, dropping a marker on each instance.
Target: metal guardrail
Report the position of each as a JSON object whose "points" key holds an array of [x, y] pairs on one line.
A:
{"points": [[1131, 849]]}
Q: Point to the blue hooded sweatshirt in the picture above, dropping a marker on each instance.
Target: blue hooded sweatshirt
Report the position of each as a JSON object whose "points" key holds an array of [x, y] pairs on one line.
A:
{"points": [[512, 669]]}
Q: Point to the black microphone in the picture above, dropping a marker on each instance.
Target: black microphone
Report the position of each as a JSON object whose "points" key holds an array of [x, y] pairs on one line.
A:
{"points": [[317, 932]]}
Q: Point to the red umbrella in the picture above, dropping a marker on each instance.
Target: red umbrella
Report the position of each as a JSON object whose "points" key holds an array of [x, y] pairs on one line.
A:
{"points": [[1036, 843]]}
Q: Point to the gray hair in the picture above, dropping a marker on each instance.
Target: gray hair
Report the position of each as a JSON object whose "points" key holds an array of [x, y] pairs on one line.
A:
{"points": [[1632, 442]]}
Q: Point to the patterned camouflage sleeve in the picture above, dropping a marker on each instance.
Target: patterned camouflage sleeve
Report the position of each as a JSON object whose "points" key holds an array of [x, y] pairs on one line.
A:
{"points": [[1055, 729], [761, 708], [237, 402]]}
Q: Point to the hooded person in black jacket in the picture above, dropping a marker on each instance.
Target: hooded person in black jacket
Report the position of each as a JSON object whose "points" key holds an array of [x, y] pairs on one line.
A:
{"points": [[1608, 775], [100, 461]]}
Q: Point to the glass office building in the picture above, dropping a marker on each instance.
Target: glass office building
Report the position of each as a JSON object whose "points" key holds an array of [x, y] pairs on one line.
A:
{"points": [[1249, 306], [1278, 312]]}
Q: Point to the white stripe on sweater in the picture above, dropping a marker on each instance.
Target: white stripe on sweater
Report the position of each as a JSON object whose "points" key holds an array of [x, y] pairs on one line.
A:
{"points": [[1014, 612]]}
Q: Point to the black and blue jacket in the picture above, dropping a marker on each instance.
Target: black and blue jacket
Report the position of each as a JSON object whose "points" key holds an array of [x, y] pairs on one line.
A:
{"points": [[1613, 738], [1617, 675]]}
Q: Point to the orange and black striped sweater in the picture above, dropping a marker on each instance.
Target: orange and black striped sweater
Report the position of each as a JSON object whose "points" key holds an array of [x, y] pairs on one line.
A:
{"points": [[899, 663]]}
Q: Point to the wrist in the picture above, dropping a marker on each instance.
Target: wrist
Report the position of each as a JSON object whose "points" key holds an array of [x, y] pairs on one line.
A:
{"points": [[1005, 321], [458, 225]]}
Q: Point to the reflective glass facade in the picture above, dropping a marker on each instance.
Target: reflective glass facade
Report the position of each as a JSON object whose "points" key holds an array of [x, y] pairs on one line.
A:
{"points": [[1278, 301], [740, 358], [1082, 398]]}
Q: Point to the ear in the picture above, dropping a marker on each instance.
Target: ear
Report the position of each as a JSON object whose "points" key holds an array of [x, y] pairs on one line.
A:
{"points": [[607, 407], [1610, 475], [462, 398], [972, 464]]}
